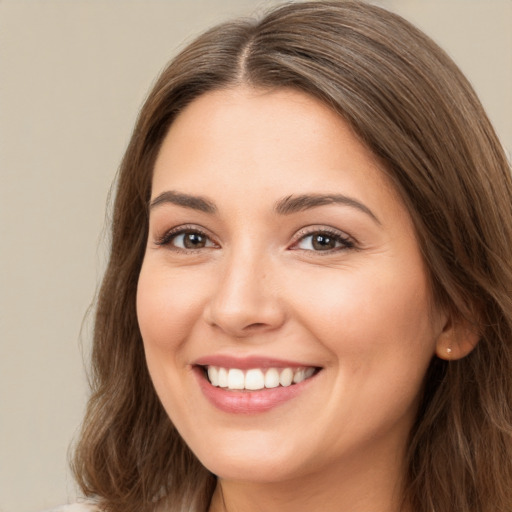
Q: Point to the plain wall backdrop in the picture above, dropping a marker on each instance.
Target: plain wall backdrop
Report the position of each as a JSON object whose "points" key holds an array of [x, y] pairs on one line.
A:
{"points": [[73, 75]]}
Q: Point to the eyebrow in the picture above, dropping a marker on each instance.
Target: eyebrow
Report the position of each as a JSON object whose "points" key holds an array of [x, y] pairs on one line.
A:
{"points": [[293, 204], [286, 206], [188, 201]]}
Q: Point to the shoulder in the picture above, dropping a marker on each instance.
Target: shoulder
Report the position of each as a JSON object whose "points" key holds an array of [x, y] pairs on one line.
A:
{"points": [[76, 507]]}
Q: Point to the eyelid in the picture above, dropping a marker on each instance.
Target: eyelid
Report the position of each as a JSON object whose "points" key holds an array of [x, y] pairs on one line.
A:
{"points": [[348, 241], [164, 240]]}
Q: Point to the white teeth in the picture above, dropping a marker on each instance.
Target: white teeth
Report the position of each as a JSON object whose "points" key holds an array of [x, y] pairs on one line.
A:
{"points": [[272, 378], [308, 372], [213, 375], [236, 379], [223, 378], [256, 378], [286, 377], [298, 376], [302, 374]]}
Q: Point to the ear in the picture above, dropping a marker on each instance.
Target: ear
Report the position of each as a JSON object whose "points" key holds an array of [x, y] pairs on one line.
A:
{"points": [[457, 339]]}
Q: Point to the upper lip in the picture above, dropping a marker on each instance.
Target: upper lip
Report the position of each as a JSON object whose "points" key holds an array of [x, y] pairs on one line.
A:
{"points": [[244, 363]]}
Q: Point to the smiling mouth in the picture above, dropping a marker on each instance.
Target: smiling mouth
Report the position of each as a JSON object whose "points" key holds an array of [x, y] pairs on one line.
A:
{"points": [[254, 379]]}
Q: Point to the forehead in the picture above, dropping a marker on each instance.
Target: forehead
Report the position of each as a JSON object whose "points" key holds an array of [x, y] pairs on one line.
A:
{"points": [[279, 141]]}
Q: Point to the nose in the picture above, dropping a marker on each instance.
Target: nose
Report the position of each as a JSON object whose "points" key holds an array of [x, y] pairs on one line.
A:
{"points": [[246, 300]]}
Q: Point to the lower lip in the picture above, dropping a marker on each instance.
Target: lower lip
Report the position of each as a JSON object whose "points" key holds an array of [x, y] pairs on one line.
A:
{"points": [[249, 402]]}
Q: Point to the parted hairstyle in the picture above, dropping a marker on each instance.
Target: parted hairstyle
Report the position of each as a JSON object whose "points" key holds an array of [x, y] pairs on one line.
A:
{"points": [[412, 107]]}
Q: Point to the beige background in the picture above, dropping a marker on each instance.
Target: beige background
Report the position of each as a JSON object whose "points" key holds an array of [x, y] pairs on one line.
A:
{"points": [[72, 77]]}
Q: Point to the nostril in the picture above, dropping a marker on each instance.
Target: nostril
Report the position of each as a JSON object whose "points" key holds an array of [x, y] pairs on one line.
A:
{"points": [[253, 329], [255, 325]]}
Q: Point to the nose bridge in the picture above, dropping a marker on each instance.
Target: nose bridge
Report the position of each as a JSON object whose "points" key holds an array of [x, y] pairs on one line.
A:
{"points": [[246, 298]]}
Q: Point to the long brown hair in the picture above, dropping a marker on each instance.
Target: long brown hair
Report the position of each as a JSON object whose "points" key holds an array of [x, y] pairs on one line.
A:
{"points": [[410, 105]]}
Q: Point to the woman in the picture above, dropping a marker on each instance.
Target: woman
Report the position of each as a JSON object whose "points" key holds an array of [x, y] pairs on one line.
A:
{"points": [[308, 300]]}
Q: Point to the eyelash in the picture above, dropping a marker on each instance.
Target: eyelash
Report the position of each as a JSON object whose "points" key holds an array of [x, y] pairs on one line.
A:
{"points": [[338, 237], [344, 241], [166, 239]]}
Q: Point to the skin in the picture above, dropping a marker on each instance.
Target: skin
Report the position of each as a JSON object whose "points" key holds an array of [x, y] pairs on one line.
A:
{"points": [[361, 312]]}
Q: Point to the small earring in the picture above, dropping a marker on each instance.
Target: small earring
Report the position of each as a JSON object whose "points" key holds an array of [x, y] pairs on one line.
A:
{"points": [[449, 351]]}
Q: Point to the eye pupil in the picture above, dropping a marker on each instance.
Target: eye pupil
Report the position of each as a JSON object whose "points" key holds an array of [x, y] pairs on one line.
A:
{"points": [[194, 240], [323, 242]]}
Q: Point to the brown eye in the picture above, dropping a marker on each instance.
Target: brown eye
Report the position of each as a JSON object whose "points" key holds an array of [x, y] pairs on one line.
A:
{"points": [[323, 242], [186, 239], [192, 240]]}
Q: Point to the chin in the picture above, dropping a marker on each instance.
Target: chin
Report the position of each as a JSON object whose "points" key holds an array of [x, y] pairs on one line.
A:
{"points": [[255, 470], [259, 461]]}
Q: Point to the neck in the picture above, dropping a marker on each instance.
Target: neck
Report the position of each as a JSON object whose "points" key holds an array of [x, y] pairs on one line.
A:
{"points": [[356, 487]]}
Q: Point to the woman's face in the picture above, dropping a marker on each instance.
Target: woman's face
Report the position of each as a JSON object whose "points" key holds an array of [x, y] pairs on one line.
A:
{"points": [[278, 250]]}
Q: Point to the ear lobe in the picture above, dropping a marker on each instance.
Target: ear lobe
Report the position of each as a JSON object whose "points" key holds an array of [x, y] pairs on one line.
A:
{"points": [[458, 338]]}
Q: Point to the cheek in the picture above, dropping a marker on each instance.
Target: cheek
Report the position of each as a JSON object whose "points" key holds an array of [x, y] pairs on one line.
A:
{"points": [[370, 313], [168, 305], [168, 308], [378, 330]]}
